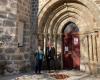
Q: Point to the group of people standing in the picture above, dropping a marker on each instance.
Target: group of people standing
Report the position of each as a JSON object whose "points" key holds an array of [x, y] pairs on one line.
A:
{"points": [[40, 56]]}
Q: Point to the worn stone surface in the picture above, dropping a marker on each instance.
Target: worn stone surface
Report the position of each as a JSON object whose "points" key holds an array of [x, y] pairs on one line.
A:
{"points": [[10, 50], [57, 19], [17, 57], [11, 12], [1, 30], [7, 21], [2, 57], [8, 57], [50, 17], [26, 56], [19, 62], [9, 62], [1, 50], [46, 76]]}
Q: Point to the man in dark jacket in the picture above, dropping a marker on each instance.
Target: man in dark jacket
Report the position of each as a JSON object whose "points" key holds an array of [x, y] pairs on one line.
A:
{"points": [[50, 54]]}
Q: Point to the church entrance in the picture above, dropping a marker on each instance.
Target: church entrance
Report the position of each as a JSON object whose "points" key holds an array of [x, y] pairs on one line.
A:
{"points": [[71, 46]]}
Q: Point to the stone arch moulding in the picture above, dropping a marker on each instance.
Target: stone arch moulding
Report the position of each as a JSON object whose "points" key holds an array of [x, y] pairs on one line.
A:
{"points": [[52, 5], [88, 4]]}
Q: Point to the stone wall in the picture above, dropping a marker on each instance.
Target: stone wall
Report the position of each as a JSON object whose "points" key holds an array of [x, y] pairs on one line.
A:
{"points": [[8, 11], [24, 10], [11, 13], [34, 27], [53, 15], [27, 11], [98, 39]]}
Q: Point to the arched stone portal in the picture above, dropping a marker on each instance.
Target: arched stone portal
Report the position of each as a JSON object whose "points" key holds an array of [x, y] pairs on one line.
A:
{"points": [[56, 14], [71, 46]]}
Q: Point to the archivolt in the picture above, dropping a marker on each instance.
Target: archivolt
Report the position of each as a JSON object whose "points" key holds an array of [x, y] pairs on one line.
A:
{"points": [[53, 4], [54, 17]]}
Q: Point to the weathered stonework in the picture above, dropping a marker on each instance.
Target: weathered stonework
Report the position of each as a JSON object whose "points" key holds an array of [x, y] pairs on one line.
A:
{"points": [[10, 50], [17, 57], [2, 57], [26, 56], [42, 4], [8, 13], [11, 13], [34, 28], [1, 50], [56, 13], [45, 19]]}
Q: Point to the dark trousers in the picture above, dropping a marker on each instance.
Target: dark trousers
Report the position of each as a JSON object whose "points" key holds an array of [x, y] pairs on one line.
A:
{"points": [[38, 66], [49, 64]]}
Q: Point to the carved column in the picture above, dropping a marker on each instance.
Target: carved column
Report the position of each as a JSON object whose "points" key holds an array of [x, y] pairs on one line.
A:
{"points": [[93, 54], [96, 48], [92, 45], [55, 42], [55, 45], [45, 42], [88, 47], [61, 51]]}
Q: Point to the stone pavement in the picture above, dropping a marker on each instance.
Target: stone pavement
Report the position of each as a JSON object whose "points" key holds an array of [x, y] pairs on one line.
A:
{"points": [[73, 75]]}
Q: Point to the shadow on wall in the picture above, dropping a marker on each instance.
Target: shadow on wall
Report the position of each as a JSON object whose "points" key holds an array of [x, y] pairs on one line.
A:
{"points": [[34, 30], [3, 64], [34, 27]]}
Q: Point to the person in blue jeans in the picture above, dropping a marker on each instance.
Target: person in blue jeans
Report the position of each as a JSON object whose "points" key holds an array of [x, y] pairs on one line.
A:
{"points": [[39, 56]]}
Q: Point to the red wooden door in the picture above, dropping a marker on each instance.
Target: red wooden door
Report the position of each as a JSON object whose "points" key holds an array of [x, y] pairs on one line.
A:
{"points": [[71, 51]]}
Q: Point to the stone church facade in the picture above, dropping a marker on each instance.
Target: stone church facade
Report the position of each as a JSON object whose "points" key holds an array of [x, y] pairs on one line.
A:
{"points": [[36, 22], [55, 14]]}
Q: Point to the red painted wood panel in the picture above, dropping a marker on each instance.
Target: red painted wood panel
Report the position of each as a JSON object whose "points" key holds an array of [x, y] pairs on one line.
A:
{"points": [[71, 51]]}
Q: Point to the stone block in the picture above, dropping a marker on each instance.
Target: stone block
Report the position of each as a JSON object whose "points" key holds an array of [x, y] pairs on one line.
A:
{"points": [[10, 50], [12, 16], [6, 38], [1, 30], [9, 62], [26, 56], [3, 2], [25, 44], [3, 15], [1, 50], [2, 57], [28, 49], [22, 49], [17, 57], [19, 62], [26, 26], [8, 57], [14, 5], [9, 23], [26, 40], [26, 33]]}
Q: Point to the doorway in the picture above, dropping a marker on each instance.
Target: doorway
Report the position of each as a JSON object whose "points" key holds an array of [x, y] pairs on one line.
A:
{"points": [[71, 46]]}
